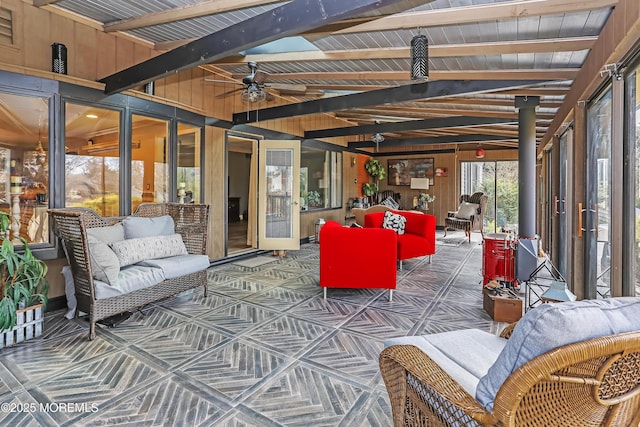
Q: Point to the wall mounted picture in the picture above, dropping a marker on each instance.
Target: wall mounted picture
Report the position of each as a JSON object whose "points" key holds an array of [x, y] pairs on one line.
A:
{"points": [[400, 172]]}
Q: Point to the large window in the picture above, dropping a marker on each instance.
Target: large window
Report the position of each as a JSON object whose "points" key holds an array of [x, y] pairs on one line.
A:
{"points": [[499, 181], [24, 165], [149, 160], [92, 160], [189, 161], [320, 179]]}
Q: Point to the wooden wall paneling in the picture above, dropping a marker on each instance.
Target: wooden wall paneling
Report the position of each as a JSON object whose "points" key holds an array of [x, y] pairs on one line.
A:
{"points": [[104, 64], [214, 183], [172, 87], [86, 52], [184, 87], [124, 54], [37, 53], [197, 93]]}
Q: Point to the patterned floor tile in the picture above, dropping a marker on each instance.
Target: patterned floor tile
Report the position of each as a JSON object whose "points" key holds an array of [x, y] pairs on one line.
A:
{"points": [[350, 354], [331, 312], [22, 410], [303, 396], [410, 303], [239, 317], [175, 346], [143, 323], [238, 287], [288, 335], [195, 304], [381, 324], [43, 358], [235, 368], [279, 298], [95, 382], [264, 349], [168, 402]]}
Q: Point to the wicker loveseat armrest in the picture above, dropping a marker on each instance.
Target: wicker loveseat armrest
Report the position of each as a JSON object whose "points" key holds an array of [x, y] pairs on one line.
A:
{"points": [[422, 393]]}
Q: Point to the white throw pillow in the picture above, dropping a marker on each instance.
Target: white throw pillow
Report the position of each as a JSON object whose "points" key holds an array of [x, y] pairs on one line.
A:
{"points": [[131, 251], [466, 210], [394, 222]]}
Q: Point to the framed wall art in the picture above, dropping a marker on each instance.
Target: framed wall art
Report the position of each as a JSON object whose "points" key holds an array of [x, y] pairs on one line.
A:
{"points": [[400, 172]]}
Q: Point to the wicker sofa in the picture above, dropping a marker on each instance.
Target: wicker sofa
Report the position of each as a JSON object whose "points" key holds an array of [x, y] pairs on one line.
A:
{"points": [[148, 278], [566, 364]]}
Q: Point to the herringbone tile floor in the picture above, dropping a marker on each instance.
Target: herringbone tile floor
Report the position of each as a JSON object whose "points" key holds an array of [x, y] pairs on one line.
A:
{"points": [[263, 349]]}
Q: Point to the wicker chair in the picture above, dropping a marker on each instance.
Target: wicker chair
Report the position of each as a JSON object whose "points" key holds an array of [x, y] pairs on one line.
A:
{"points": [[475, 222], [70, 224], [588, 383]]}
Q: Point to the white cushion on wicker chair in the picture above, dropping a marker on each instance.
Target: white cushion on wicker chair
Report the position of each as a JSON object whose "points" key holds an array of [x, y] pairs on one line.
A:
{"points": [[550, 326], [466, 355]]}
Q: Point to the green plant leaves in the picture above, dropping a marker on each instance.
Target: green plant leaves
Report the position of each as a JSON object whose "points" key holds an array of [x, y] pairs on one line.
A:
{"points": [[22, 277]]}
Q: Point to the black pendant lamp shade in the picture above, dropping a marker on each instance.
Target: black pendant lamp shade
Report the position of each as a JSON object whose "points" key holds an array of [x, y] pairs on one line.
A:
{"points": [[419, 58]]}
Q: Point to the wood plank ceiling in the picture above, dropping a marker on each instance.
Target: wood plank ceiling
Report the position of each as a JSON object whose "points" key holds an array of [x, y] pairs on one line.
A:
{"points": [[496, 49]]}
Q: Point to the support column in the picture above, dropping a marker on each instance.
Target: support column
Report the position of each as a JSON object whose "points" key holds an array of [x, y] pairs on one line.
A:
{"points": [[526, 106]]}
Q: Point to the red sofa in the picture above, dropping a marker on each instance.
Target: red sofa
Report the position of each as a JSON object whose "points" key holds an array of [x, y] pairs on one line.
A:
{"points": [[419, 238], [357, 258]]}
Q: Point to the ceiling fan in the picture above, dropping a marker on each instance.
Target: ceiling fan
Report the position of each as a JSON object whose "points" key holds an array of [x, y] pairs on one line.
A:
{"points": [[255, 85]]}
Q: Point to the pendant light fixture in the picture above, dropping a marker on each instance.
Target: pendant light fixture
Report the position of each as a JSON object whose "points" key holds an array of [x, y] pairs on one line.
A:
{"points": [[419, 57]]}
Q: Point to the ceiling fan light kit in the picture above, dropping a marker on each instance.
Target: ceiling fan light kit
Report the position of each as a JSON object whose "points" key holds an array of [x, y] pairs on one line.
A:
{"points": [[253, 93], [419, 58]]}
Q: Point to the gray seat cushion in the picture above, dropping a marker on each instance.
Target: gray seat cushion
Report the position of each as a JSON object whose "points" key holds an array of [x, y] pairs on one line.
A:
{"points": [[130, 279], [553, 325], [180, 265]]}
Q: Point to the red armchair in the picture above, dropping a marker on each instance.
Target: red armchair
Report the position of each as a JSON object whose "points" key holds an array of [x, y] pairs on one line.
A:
{"points": [[419, 238], [357, 258]]}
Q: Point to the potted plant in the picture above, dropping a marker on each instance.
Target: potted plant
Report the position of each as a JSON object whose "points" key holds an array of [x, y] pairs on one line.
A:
{"points": [[313, 198], [424, 199], [375, 169], [369, 189], [23, 286]]}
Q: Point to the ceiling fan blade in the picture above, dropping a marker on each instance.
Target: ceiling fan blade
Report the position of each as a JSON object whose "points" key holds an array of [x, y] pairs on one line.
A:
{"points": [[223, 81], [227, 93], [285, 87], [269, 96], [260, 77]]}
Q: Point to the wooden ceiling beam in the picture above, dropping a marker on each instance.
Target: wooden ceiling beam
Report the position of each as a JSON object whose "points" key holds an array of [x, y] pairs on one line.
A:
{"points": [[190, 11], [283, 21], [545, 74], [567, 44], [479, 13]]}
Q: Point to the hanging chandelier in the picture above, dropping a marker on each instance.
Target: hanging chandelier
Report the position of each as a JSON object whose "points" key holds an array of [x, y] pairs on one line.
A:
{"points": [[253, 93]]}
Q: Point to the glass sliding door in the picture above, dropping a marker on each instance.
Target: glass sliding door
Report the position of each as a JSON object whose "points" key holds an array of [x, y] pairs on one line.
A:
{"points": [[598, 203], [633, 137], [499, 181], [189, 163]]}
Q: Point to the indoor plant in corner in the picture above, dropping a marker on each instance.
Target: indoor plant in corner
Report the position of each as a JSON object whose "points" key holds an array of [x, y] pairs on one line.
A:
{"points": [[377, 171], [23, 289]]}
